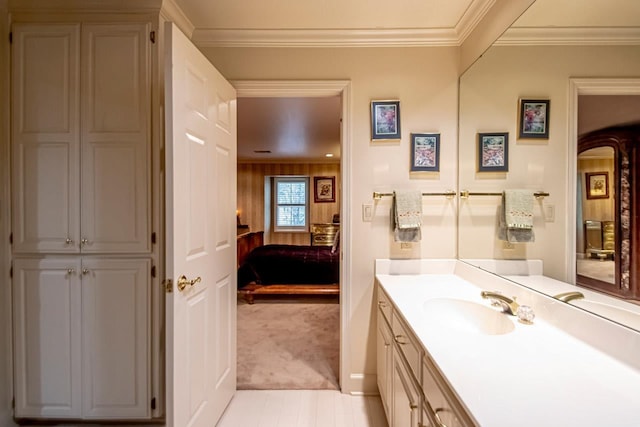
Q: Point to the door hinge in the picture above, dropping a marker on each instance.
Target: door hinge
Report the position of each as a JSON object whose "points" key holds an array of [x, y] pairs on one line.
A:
{"points": [[11, 272], [11, 238], [153, 238], [153, 403], [153, 271], [168, 285], [152, 36], [10, 37]]}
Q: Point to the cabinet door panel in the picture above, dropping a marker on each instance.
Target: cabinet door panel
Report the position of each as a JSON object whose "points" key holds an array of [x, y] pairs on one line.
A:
{"points": [[46, 316], [116, 138], [45, 137], [406, 399], [115, 336]]}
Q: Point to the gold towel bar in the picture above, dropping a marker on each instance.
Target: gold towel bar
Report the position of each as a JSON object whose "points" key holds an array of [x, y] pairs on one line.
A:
{"points": [[448, 194], [464, 194]]}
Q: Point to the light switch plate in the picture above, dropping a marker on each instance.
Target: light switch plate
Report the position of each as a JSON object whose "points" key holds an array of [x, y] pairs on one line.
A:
{"points": [[549, 213], [367, 212]]}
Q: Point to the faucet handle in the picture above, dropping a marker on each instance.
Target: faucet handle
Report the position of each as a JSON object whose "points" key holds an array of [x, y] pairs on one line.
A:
{"points": [[525, 314]]}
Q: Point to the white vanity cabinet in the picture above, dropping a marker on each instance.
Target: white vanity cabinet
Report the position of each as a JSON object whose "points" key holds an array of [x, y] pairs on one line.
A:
{"points": [[412, 390], [80, 334], [81, 120]]}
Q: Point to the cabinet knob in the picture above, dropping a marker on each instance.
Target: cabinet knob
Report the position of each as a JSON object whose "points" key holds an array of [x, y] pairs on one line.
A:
{"points": [[68, 241], [85, 271], [84, 241], [382, 304], [71, 271]]}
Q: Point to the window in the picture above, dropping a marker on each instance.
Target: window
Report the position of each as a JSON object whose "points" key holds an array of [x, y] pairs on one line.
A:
{"points": [[291, 207]]}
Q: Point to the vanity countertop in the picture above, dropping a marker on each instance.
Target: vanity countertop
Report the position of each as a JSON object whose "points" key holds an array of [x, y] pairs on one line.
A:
{"points": [[536, 375]]}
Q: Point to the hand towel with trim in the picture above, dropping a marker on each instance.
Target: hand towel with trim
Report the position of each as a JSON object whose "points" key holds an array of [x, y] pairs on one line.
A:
{"points": [[516, 217], [407, 216]]}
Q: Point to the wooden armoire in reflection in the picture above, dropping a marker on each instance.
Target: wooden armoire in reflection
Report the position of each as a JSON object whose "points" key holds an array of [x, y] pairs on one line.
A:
{"points": [[625, 220]]}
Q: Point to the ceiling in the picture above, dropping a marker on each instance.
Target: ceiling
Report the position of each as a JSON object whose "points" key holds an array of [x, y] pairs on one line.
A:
{"points": [[306, 129]]}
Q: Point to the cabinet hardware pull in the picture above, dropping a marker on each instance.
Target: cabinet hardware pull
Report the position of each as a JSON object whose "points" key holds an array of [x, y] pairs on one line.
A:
{"points": [[413, 406], [71, 271], [68, 241], [84, 241], [183, 282], [382, 304], [400, 340], [437, 417], [85, 271]]}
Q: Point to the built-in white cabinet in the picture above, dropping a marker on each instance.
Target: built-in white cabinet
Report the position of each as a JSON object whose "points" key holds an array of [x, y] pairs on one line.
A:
{"points": [[81, 121], [412, 390], [81, 328], [82, 216]]}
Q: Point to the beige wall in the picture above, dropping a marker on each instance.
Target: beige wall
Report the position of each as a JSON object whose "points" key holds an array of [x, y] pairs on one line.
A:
{"points": [[251, 190], [425, 82], [489, 94]]}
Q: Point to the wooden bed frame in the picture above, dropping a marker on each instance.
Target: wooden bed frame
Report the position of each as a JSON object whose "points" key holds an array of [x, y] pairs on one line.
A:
{"points": [[252, 289]]}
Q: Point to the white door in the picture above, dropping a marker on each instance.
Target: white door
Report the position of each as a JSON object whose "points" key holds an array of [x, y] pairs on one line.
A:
{"points": [[201, 236]]}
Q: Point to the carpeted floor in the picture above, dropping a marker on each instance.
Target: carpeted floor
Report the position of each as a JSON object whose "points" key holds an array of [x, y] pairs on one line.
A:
{"points": [[287, 344]]}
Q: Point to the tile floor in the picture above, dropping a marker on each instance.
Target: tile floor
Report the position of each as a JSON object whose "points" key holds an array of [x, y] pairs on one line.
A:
{"points": [[302, 408]]}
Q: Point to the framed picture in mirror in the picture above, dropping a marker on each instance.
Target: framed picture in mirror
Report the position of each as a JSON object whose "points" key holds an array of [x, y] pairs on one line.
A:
{"points": [[385, 120], [534, 118], [425, 152], [493, 152], [597, 185]]}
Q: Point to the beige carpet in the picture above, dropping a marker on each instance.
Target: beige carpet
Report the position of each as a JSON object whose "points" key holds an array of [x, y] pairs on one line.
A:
{"points": [[286, 344]]}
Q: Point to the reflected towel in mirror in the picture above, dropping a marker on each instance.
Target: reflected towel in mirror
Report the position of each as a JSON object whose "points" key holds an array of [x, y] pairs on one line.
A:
{"points": [[407, 216], [516, 216]]}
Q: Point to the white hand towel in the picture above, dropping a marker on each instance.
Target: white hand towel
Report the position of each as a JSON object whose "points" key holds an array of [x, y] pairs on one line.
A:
{"points": [[407, 215]]}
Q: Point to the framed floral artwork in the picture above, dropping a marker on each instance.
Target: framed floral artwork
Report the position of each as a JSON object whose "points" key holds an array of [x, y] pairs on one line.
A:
{"points": [[534, 118], [493, 152], [425, 152], [385, 120]]}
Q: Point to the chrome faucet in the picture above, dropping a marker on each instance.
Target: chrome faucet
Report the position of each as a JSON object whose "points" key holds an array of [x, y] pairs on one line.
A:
{"points": [[507, 304], [569, 296]]}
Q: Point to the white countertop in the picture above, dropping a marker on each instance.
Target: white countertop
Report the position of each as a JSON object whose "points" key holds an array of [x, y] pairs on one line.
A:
{"points": [[535, 376]]}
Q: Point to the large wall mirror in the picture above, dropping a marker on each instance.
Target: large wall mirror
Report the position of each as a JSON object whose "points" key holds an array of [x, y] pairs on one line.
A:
{"points": [[555, 43]]}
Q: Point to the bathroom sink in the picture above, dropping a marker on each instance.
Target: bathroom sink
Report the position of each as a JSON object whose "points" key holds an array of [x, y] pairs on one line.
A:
{"points": [[617, 314], [467, 316]]}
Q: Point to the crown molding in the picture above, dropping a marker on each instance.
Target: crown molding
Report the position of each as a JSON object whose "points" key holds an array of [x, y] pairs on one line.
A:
{"points": [[325, 38], [42, 6], [472, 17], [171, 11], [569, 36]]}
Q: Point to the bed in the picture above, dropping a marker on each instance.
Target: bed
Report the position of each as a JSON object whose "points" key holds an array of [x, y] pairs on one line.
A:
{"points": [[289, 270]]}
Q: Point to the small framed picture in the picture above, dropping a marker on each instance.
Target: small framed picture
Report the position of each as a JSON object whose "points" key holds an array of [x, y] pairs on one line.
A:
{"points": [[493, 152], [597, 185], [534, 118], [324, 189], [385, 120], [425, 152]]}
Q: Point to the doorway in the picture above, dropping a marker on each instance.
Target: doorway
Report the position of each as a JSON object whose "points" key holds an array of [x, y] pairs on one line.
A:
{"points": [[322, 89], [597, 256]]}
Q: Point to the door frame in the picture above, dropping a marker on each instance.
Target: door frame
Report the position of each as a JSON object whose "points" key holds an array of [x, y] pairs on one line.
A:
{"points": [[312, 89], [577, 87]]}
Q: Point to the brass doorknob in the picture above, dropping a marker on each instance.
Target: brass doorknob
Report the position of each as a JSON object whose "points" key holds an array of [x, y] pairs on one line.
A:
{"points": [[183, 282]]}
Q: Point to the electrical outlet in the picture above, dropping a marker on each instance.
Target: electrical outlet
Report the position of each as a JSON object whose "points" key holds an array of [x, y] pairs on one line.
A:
{"points": [[508, 246], [405, 246]]}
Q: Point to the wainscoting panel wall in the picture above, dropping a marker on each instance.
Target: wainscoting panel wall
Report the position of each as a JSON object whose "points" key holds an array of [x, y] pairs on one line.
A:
{"points": [[251, 197]]}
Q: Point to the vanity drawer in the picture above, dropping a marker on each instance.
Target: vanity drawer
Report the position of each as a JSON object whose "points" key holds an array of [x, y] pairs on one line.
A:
{"points": [[384, 305], [407, 344], [441, 403]]}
